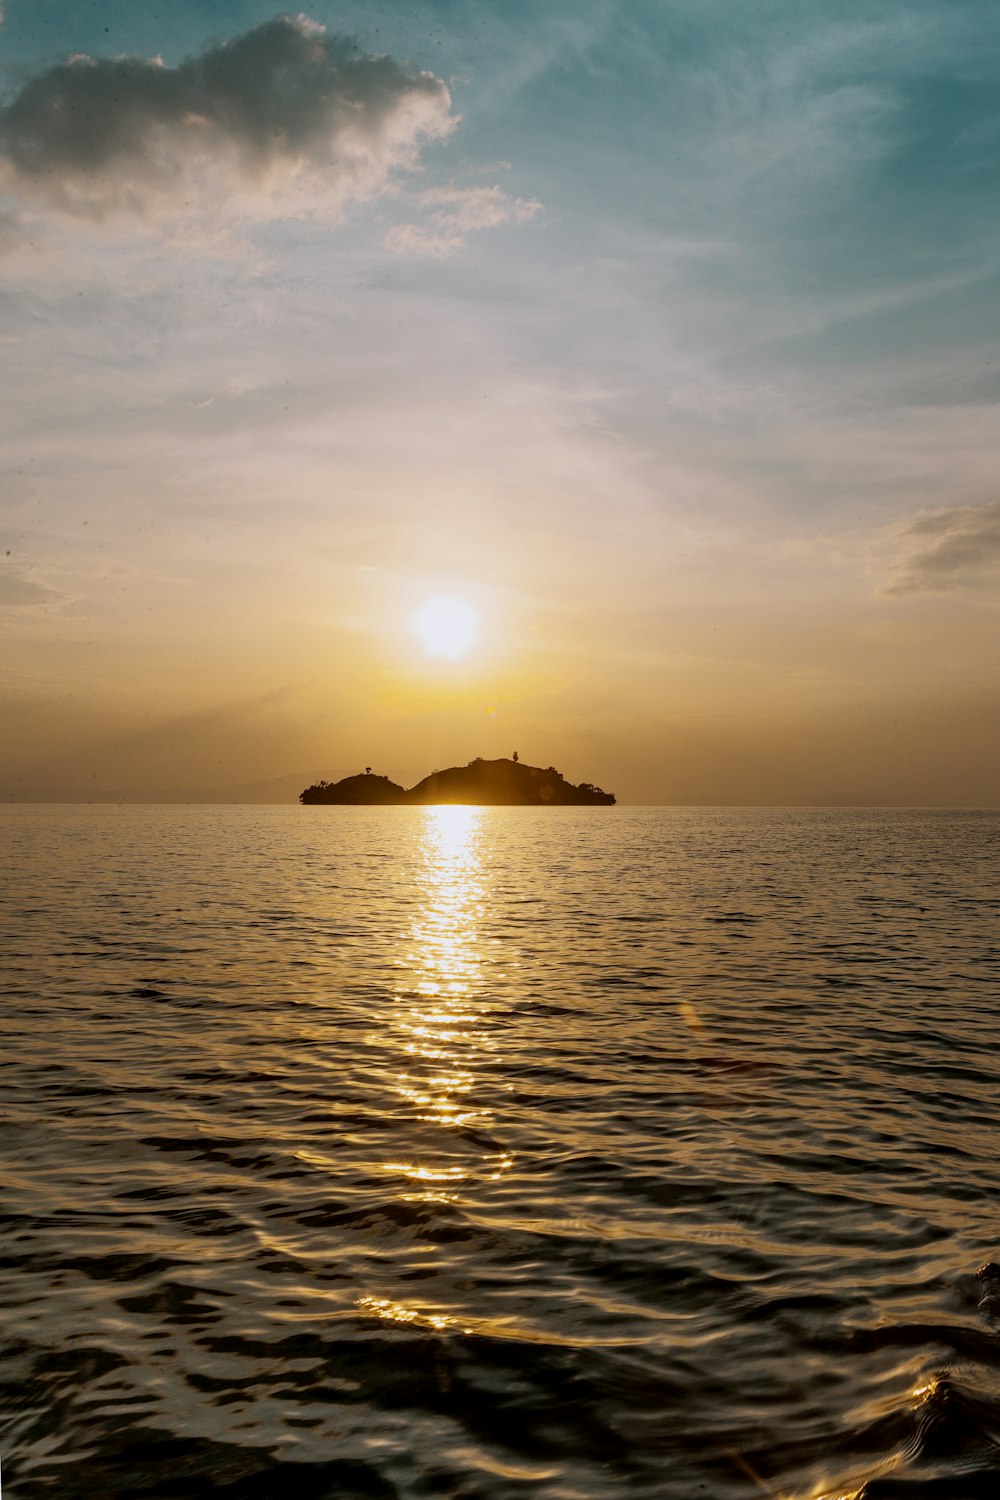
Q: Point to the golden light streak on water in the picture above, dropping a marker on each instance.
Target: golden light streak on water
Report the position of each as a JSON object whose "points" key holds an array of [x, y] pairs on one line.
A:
{"points": [[441, 1001], [440, 1029], [397, 1312]]}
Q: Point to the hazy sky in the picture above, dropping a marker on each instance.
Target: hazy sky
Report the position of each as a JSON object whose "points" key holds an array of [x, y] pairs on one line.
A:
{"points": [[664, 333]]}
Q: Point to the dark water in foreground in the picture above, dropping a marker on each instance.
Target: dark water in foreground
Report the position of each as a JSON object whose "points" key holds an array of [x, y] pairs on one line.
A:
{"points": [[467, 1153]]}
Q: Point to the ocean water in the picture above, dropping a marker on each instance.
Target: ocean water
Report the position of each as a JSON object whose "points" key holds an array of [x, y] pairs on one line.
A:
{"points": [[530, 1155]]}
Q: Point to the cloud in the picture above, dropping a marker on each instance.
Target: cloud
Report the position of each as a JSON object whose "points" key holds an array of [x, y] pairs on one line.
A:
{"points": [[10, 232], [454, 213], [15, 590], [280, 119], [948, 549]]}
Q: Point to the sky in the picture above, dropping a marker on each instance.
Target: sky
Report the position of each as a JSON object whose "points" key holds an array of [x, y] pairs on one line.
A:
{"points": [[663, 335]]}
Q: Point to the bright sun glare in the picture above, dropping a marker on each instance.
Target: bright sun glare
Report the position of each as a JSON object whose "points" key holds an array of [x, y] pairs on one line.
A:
{"points": [[445, 627]]}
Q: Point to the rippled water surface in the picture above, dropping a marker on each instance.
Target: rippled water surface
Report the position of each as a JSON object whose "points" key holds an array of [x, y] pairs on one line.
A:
{"points": [[461, 1152]]}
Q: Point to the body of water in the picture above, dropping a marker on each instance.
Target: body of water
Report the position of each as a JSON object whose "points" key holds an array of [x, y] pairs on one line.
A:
{"points": [[500, 1154]]}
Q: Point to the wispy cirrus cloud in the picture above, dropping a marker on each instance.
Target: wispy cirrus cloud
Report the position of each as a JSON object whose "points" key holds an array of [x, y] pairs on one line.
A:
{"points": [[453, 213], [280, 119], [15, 590], [944, 550]]}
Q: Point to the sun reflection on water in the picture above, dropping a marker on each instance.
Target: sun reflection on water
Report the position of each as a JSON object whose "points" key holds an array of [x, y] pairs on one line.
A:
{"points": [[443, 1043], [442, 1005], [398, 1312]]}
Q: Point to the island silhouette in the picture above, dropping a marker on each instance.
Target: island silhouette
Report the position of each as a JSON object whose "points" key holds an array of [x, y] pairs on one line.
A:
{"points": [[490, 783]]}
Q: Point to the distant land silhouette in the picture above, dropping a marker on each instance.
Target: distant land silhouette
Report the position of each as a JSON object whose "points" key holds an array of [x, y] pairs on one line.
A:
{"points": [[491, 783]]}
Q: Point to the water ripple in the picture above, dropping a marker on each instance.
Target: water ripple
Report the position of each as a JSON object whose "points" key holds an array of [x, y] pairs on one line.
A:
{"points": [[489, 1153]]}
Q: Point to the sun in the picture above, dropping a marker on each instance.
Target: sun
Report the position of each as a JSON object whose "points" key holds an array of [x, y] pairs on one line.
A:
{"points": [[445, 627]]}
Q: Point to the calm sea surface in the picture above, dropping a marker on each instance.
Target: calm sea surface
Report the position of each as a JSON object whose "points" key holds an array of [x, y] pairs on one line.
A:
{"points": [[459, 1152]]}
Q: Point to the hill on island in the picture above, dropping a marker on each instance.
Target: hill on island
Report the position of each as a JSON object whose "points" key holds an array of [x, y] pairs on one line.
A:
{"points": [[487, 783]]}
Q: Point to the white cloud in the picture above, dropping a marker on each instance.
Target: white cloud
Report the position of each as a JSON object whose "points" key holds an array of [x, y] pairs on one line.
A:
{"points": [[279, 120], [454, 213], [945, 550]]}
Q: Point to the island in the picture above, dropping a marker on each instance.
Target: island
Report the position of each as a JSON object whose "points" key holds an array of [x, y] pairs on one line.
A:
{"points": [[487, 783]]}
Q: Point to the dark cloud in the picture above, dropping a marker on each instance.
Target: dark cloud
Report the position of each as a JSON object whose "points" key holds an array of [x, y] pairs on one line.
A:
{"points": [[278, 109], [948, 549]]}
